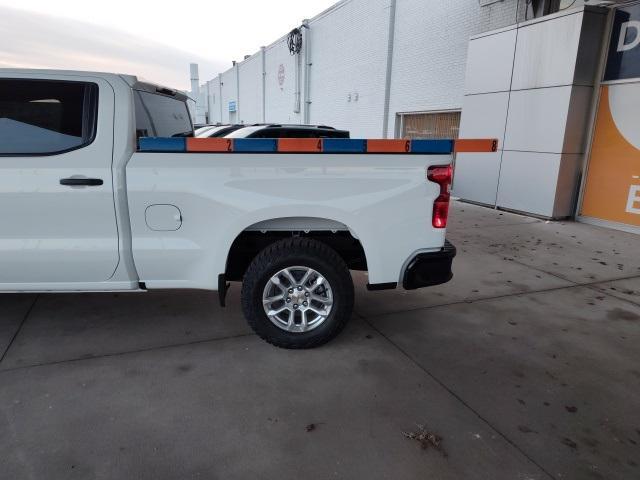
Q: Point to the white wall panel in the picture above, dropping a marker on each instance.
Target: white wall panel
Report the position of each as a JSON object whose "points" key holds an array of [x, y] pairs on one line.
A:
{"points": [[546, 52], [485, 116], [537, 119], [490, 63], [548, 119], [541, 183], [251, 90], [528, 182], [476, 176]]}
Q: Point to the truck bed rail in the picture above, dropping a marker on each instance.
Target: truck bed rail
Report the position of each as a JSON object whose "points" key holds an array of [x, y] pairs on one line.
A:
{"points": [[315, 145]]}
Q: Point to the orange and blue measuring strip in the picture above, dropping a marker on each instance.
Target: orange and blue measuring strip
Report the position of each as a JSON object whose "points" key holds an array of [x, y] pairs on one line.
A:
{"points": [[315, 145], [476, 145]]}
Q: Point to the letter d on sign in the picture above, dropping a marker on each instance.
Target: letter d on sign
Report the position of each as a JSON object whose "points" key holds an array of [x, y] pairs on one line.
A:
{"points": [[634, 198], [622, 46]]}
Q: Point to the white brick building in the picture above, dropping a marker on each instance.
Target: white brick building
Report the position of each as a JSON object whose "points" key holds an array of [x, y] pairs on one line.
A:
{"points": [[546, 78], [356, 58]]}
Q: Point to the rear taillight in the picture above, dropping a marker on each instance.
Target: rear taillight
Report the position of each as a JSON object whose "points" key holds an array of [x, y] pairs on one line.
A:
{"points": [[442, 175]]}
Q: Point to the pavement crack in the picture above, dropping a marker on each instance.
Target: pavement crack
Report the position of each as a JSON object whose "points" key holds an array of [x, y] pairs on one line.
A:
{"points": [[127, 352], [461, 400], [609, 294], [565, 279], [15, 335], [498, 297], [544, 271], [498, 225]]}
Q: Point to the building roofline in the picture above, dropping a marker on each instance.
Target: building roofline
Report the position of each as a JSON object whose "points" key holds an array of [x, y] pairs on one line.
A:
{"points": [[271, 45]]}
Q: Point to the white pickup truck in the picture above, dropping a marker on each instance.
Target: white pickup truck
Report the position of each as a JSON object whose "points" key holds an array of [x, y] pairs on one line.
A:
{"points": [[102, 189]]}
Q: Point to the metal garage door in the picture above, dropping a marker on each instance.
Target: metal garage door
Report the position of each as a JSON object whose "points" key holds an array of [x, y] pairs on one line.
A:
{"points": [[430, 125]]}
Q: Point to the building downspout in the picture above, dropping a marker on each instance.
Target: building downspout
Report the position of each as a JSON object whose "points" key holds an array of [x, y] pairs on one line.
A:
{"points": [[298, 83], [307, 71], [387, 85], [220, 96], [195, 90], [264, 85], [238, 93], [207, 115]]}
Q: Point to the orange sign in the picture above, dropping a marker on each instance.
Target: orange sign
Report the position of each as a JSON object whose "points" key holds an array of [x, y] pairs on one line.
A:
{"points": [[612, 189]]}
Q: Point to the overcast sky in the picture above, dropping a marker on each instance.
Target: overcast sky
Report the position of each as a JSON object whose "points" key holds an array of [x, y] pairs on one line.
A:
{"points": [[153, 39]]}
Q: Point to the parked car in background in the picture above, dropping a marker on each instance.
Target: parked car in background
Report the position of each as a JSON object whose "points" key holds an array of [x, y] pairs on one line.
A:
{"points": [[216, 130], [201, 128], [288, 131]]}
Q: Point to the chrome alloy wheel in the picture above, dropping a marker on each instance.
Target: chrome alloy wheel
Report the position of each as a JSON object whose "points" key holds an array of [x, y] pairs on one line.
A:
{"points": [[297, 299]]}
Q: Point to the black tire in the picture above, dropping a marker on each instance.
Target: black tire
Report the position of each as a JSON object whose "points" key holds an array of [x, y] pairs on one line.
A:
{"points": [[290, 252]]}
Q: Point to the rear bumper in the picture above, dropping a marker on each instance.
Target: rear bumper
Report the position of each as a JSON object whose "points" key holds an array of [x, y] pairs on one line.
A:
{"points": [[431, 268]]}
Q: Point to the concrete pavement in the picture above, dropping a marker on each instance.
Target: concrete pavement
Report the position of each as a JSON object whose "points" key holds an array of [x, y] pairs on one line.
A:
{"points": [[526, 364]]}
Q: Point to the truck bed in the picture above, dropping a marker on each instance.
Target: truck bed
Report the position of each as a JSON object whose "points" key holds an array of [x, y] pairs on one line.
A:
{"points": [[381, 198]]}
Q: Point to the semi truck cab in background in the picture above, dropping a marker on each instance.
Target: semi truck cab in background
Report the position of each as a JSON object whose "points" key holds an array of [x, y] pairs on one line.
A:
{"points": [[104, 188]]}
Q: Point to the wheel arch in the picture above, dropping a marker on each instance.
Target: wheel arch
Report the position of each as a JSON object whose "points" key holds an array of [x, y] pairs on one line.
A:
{"points": [[253, 238]]}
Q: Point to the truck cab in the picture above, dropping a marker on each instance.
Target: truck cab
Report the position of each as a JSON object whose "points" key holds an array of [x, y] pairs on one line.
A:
{"points": [[64, 137]]}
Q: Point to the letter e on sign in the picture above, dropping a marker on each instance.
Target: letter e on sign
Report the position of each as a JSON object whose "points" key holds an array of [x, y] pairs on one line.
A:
{"points": [[633, 201]]}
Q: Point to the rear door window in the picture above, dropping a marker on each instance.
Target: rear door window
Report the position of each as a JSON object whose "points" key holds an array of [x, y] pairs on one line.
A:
{"points": [[161, 116], [44, 117]]}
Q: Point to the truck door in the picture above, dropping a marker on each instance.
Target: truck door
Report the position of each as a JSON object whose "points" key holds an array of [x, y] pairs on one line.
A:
{"points": [[56, 196]]}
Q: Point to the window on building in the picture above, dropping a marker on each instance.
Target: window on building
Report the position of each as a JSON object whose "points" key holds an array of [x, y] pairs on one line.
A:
{"points": [[39, 117], [432, 125]]}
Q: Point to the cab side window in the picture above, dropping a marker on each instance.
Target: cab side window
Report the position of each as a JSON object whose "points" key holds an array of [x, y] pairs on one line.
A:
{"points": [[45, 117]]}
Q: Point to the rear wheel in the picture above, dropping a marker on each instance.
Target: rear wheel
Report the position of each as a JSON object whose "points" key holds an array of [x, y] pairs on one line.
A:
{"points": [[297, 293]]}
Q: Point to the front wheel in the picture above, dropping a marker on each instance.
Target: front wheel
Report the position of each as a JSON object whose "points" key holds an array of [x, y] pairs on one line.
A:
{"points": [[297, 293]]}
